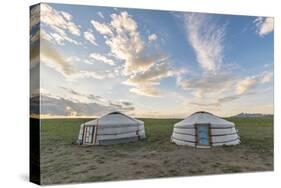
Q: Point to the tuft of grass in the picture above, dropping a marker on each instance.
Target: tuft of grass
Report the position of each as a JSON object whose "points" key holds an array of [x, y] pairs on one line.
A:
{"points": [[231, 169]]}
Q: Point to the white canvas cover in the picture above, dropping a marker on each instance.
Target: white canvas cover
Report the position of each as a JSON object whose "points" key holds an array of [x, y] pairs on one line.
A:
{"points": [[112, 128], [218, 131]]}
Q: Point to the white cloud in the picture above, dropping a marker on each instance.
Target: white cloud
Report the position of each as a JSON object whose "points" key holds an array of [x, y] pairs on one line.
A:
{"points": [[267, 77], [249, 83], [59, 19], [144, 82], [101, 58], [123, 22], [222, 87], [34, 16], [100, 15], [143, 69], [72, 59], [264, 25], [207, 84], [66, 15], [217, 84], [35, 37], [206, 38], [245, 85], [146, 91], [48, 54], [102, 28], [56, 61], [152, 75], [99, 75], [58, 38], [152, 37], [60, 22], [123, 38], [46, 36], [90, 37]]}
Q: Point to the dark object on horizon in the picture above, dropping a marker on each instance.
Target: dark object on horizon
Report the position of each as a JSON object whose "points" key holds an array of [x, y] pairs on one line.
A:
{"points": [[253, 115]]}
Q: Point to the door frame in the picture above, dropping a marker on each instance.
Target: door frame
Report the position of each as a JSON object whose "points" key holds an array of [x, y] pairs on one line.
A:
{"points": [[93, 135], [197, 133]]}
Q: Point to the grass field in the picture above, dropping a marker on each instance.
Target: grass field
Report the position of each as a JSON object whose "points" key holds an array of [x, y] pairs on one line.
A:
{"points": [[64, 162]]}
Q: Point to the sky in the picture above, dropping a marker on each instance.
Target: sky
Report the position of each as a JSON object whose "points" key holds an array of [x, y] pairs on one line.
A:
{"points": [[148, 63]]}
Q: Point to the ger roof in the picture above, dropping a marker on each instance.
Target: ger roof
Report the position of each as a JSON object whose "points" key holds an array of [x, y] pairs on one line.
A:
{"points": [[202, 117], [114, 118]]}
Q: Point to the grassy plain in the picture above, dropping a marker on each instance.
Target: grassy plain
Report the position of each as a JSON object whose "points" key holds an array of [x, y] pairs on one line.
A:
{"points": [[64, 162]]}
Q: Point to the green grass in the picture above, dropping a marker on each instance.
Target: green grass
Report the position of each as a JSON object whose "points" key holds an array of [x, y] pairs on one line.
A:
{"points": [[155, 156], [256, 133]]}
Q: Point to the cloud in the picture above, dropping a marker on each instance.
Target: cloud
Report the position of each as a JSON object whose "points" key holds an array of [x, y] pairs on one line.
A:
{"points": [[72, 59], [206, 38], [78, 96], [152, 75], [264, 25], [34, 16], [123, 39], [126, 103], [58, 19], [144, 82], [152, 37], [122, 105], [266, 77], [245, 85], [62, 65], [35, 37], [101, 58], [145, 90], [144, 62], [64, 107], [66, 15], [223, 87], [123, 21], [94, 97], [60, 23], [100, 15], [34, 24], [46, 36], [52, 37], [99, 75], [142, 68], [59, 62], [51, 105], [208, 83], [71, 91], [102, 28], [205, 104], [228, 98], [90, 37], [217, 84]]}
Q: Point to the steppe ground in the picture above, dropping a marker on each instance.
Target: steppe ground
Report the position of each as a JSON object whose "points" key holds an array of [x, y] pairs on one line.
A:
{"points": [[64, 162]]}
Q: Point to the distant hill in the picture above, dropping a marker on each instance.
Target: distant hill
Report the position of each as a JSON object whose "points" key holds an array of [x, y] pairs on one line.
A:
{"points": [[253, 115]]}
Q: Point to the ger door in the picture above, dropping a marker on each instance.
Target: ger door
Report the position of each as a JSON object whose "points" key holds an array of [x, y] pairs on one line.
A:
{"points": [[89, 134], [203, 136]]}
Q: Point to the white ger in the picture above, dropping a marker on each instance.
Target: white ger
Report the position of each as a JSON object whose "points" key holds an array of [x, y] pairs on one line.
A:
{"points": [[203, 130], [112, 128]]}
